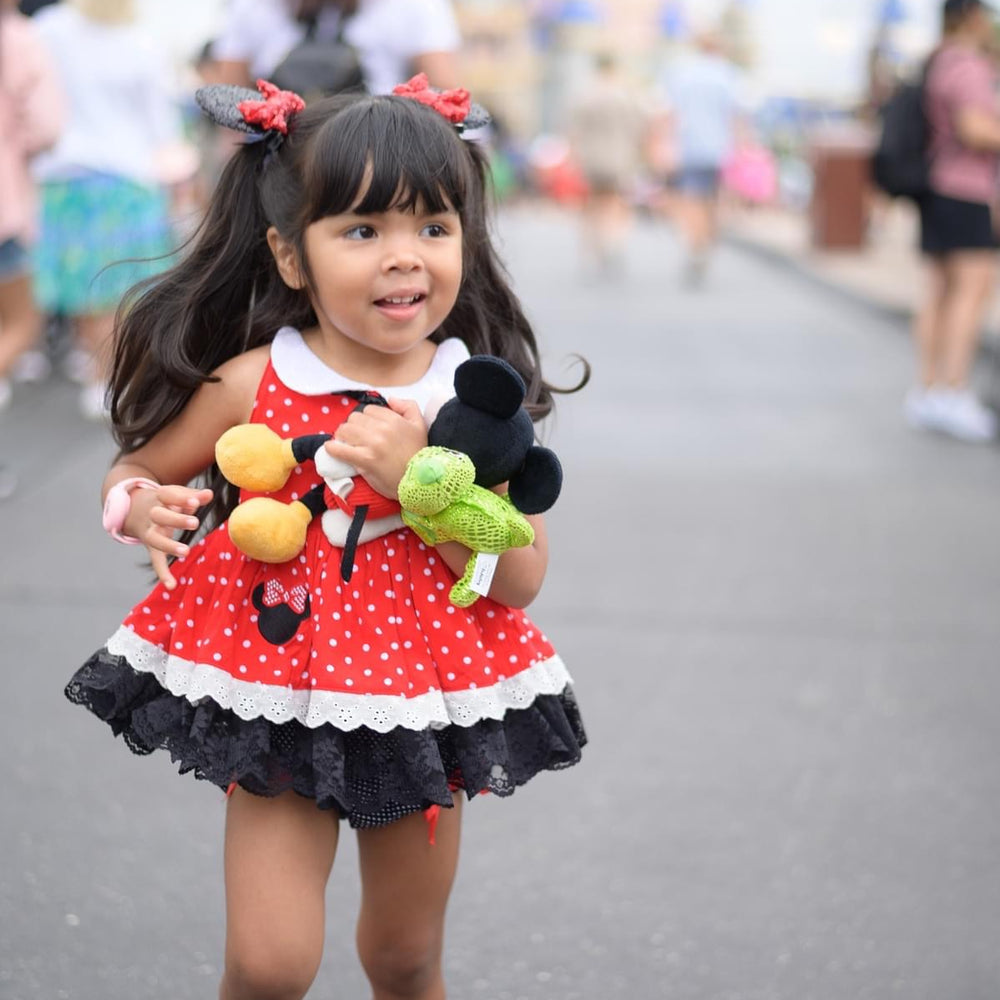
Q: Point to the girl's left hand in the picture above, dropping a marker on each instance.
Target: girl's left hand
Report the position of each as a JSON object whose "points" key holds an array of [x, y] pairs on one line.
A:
{"points": [[379, 441]]}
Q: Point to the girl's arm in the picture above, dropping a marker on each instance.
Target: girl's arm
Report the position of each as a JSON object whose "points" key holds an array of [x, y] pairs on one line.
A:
{"points": [[178, 453], [519, 573], [379, 441]]}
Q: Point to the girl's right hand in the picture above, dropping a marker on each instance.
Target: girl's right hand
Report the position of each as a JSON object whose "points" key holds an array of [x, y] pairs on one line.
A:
{"points": [[154, 517]]}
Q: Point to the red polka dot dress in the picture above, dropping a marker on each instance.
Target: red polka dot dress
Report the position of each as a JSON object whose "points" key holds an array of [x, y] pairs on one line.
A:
{"points": [[375, 696]]}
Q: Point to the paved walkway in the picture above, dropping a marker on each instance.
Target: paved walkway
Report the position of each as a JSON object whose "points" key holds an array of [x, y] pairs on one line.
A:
{"points": [[887, 272], [780, 608]]}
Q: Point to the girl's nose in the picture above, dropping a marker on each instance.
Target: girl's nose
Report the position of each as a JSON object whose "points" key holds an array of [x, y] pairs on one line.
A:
{"points": [[402, 256]]}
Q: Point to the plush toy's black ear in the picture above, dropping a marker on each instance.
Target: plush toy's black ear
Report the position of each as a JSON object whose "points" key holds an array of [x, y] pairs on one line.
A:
{"points": [[536, 486], [489, 384]]}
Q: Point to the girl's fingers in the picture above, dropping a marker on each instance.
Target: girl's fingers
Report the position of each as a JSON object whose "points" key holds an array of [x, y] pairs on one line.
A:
{"points": [[162, 570], [348, 433], [160, 545], [354, 455], [183, 497], [376, 426], [389, 416], [407, 409], [174, 510], [173, 518], [339, 449], [164, 541]]}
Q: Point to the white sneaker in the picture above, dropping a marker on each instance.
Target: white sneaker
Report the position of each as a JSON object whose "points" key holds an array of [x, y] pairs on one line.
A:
{"points": [[920, 408], [78, 366], [92, 401], [31, 366], [959, 413]]}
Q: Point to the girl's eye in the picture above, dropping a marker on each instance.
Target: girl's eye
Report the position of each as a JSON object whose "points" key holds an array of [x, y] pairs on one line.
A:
{"points": [[360, 233], [434, 229]]}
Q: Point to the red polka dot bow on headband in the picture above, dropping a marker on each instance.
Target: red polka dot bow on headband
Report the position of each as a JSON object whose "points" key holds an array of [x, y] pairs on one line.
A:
{"points": [[273, 111], [452, 104]]}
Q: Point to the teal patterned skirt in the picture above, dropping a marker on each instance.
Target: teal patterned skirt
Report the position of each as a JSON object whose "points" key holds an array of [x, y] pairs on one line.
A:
{"points": [[99, 235]]}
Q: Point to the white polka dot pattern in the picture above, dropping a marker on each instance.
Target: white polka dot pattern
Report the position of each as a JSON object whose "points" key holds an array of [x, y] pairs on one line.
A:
{"points": [[293, 641]]}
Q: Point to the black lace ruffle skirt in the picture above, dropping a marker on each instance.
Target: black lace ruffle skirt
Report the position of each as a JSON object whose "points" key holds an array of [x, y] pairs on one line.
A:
{"points": [[369, 778]]}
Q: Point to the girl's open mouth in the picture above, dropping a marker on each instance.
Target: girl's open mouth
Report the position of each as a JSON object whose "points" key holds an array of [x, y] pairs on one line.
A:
{"points": [[401, 300], [401, 306]]}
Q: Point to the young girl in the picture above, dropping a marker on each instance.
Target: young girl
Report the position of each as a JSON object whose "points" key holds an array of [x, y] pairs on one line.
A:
{"points": [[349, 255]]}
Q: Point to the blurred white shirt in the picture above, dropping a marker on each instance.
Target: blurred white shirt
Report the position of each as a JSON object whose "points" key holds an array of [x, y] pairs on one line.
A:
{"points": [[387, 35], [705, 95], [121, 111]]}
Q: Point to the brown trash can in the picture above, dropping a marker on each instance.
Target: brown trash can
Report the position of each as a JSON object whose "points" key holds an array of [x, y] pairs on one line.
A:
{"points": [[841, 163]]}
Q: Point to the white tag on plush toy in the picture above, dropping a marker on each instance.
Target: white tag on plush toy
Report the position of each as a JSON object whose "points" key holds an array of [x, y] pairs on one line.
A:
{"points": [[482, 572]]}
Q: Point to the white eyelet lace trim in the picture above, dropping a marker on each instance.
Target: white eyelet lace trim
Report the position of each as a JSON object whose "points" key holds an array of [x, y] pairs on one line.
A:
{"points": [[435, 709]]}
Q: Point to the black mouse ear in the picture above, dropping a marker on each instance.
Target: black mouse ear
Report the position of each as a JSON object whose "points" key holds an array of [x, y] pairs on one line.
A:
{"points": [[489, 384], [536, 486]]}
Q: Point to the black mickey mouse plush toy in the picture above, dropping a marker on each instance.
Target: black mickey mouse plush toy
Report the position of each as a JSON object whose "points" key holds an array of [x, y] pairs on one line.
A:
{"points": [[486, 421], [480, 439]]}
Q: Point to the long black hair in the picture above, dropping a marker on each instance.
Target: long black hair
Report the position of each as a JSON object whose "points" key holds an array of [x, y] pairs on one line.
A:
{"points": [[225, 295]]}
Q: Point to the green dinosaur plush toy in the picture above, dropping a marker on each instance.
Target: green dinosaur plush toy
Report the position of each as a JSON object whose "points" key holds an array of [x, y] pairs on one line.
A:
{"points": [[442, 503]]}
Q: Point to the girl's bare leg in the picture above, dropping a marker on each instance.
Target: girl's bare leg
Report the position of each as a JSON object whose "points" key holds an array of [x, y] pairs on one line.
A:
{"points": [[405, 884], [279, 853]]}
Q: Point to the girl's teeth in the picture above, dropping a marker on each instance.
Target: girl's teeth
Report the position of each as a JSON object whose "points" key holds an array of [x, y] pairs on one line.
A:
{"points": [[402, 302]]}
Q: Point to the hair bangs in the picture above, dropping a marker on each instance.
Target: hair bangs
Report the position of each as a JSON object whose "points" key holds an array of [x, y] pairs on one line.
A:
{"points": [[388, 153]]}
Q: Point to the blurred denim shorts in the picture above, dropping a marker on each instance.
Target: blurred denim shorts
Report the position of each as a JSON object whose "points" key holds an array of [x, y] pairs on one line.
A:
{"points": [[698, 182], [14, 260]]}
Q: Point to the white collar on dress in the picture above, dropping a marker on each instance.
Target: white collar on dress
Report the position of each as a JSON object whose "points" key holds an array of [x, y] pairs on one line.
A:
{"points": [[302, 371]]}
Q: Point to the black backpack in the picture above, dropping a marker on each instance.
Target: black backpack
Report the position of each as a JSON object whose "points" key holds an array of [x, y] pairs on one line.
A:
{"points": [[318, 68], [900, 164]]}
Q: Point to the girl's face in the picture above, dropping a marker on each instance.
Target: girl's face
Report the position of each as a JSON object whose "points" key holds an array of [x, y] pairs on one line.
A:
{"points": [[383, 282]]}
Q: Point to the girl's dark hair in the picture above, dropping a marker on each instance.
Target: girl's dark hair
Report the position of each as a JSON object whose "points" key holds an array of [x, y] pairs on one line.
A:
{"points": [[225, 295]]}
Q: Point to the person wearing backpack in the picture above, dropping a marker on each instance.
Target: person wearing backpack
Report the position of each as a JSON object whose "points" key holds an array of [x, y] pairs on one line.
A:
{"points": [[390, 39], [958, 235]]}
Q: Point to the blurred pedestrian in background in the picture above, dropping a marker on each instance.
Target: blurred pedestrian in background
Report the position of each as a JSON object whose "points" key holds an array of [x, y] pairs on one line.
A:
{"points": [[704, 103], [606, 131], [958, 234], [102, 203], [394, 39], [31, 114]]}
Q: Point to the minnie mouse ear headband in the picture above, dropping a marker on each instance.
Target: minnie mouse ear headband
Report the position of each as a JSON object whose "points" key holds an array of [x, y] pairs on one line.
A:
{"points": [[244, 110], [267, 114], [455, 105]]}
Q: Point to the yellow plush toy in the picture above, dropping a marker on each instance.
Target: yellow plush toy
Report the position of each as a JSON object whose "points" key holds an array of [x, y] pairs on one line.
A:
{"points": [[255, 458]]}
